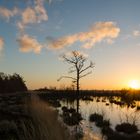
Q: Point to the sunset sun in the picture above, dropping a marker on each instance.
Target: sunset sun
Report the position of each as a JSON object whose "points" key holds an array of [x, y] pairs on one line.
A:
{"points": [[134, 84]]}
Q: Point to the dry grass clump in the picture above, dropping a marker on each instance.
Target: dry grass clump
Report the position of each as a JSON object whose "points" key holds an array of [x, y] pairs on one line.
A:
{"points": [[28, 118], [45, 121], [8, 130]]}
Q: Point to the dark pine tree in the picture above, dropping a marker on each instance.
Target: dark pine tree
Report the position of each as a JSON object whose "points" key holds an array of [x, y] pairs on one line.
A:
{"points": [[11, 83]]}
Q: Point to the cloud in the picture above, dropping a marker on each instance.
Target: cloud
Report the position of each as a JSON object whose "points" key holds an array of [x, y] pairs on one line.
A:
{"points": [[1, 43], [28, 44], [98, 32], [70, 54], [40, 11], [109, 41], [35, 14], [7, 13], [136, 33], [50, 1], [29, 16]]}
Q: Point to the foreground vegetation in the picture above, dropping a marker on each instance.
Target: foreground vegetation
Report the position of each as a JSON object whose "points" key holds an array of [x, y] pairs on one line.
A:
{"points": [[11, 83], [24, 117], [123, 131], [122, 98]]}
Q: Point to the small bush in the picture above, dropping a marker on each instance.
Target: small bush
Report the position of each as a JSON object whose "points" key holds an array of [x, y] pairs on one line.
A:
{"points": [[79, 135], [138, 107], [107, 131], [107, 104], [8, 130], [72, 110], [126, 128], [106, 123], [99, 121], [7, 126], [64, 109], [95, 117], [72, 118]]}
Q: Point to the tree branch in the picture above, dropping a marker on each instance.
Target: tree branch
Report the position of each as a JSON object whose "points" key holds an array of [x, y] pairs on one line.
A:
{"points": [[90, 66], [69, 60], [72, 69], [85, 74], [66, 77]]}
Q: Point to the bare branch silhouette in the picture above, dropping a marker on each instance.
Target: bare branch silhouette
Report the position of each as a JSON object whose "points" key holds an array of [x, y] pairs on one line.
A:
{"points": [[77, 62], [91, 65], [65, 77], [85, 74]]}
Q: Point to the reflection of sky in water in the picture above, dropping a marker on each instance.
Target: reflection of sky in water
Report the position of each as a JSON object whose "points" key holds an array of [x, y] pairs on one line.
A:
{"points": [[115, 113], [91, 131]]}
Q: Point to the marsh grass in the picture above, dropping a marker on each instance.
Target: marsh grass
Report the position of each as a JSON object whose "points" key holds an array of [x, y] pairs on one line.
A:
{"points": [[45, 120], [29, 118]]}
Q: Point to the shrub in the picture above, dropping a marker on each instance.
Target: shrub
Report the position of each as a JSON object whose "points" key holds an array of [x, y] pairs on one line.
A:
{"points": [[138, 107], [72, 110], [8, 130], [72, 118], [106, 123], [64, 109], [107, 131], [99, 121], [126, 128], [95, 117], [6, 126]]}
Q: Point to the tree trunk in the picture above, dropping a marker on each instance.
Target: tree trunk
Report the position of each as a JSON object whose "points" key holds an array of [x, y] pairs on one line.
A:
{"points": [[77, 92]]}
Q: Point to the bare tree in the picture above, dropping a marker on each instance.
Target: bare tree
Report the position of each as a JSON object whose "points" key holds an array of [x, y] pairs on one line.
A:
{"points": [[77, 62]]}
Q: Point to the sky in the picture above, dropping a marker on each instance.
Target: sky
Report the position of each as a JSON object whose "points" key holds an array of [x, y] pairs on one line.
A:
{"points": [[35, 33]]}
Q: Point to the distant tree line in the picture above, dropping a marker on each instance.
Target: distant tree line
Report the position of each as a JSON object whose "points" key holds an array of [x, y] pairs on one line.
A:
{"points": [[11, 83]]}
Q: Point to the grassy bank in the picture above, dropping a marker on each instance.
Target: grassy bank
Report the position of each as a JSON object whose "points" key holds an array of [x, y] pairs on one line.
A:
{"points": [[25, 117]]}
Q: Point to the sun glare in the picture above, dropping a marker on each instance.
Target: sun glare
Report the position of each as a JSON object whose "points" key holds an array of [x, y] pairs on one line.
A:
{"points": [[134, 84]]}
